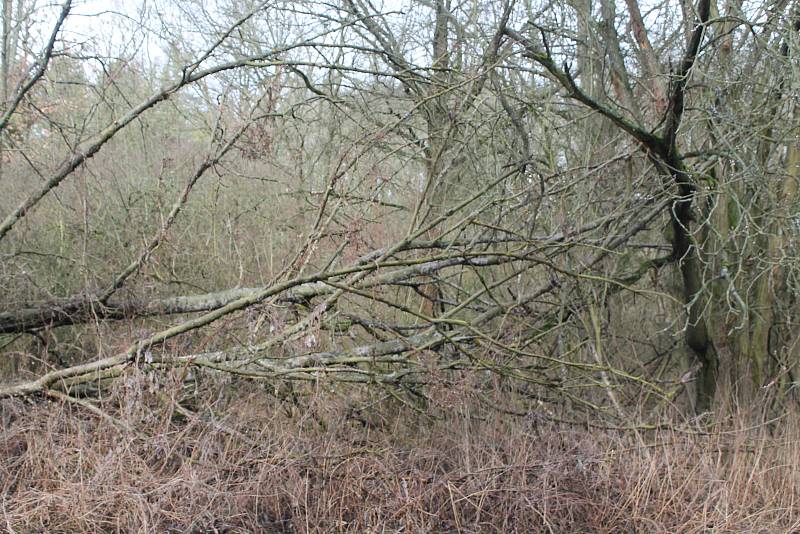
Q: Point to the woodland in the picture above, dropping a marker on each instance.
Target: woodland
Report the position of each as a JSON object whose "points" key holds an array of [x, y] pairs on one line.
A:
{"points": [[399, 266]]}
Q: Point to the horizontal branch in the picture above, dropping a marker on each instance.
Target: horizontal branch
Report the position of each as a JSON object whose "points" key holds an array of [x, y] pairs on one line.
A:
{"points": [[227, 302], [242, 363], [82, 308]]}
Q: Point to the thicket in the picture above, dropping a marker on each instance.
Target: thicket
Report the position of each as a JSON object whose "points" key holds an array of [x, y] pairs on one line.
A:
{"points": [[423, 266]]}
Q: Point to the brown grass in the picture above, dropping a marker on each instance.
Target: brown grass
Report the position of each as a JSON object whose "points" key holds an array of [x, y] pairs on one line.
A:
{"points": [[317, 465]]}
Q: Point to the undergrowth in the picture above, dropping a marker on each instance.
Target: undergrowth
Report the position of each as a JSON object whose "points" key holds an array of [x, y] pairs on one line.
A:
{"points": [[240, 458]]}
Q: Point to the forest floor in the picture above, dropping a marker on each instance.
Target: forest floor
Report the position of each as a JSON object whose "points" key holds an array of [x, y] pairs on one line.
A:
{"points": [[138, 461]]}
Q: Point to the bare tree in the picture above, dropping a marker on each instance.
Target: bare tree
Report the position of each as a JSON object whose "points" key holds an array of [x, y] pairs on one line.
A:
{"points": [[304, 191]]}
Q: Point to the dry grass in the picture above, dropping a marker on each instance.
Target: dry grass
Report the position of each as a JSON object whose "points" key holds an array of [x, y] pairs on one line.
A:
{"points": [[312, 466]]}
